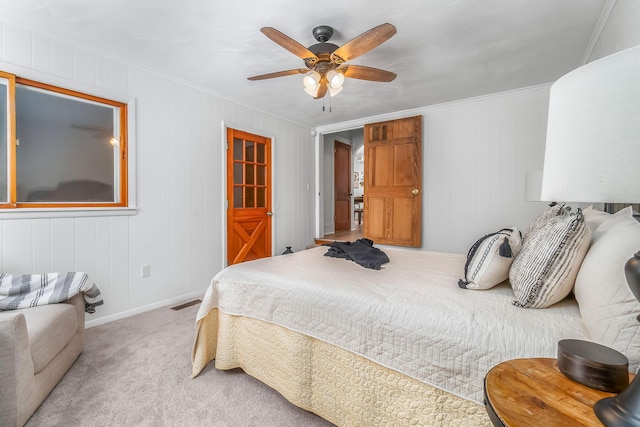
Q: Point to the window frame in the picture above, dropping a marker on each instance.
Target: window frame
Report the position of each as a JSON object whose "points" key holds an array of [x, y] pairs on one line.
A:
{"points": [[56, 207]]}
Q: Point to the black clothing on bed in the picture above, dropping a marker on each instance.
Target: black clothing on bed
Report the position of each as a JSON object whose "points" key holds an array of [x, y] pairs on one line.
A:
{"points": [[361, 252]]}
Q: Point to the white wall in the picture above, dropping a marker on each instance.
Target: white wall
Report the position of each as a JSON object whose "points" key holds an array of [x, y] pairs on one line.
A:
{"points": [[476, 155], [178, 227]]}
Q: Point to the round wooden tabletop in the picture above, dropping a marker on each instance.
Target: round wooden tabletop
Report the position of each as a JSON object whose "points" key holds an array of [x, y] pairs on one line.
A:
{"points": [[533, 392]]}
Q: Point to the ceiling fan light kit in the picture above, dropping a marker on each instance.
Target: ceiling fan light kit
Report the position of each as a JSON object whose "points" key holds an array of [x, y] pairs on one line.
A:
{"points": [[325, 62]]}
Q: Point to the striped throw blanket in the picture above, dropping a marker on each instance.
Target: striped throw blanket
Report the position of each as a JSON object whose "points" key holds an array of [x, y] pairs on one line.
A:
{"points": [[30, 290]]}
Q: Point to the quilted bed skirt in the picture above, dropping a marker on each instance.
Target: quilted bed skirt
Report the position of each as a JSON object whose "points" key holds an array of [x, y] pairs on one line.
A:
{"points": [[340, 386]]}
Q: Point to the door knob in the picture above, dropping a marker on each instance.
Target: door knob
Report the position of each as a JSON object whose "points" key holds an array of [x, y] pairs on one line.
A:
{"points": [[269, 213], [415, 191]]}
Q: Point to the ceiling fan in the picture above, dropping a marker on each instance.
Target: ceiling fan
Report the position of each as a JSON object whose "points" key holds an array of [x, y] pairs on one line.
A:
{"points": [[326, 62]]}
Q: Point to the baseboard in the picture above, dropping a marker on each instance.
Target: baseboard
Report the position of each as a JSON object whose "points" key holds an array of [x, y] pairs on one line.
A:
{"points": [[128, 313]]}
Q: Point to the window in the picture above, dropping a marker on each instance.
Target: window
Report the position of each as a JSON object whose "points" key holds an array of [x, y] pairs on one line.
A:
{"points": [[249, 173], [61, 148]]}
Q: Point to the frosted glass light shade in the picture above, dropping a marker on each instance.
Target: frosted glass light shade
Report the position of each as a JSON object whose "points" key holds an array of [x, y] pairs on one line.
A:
{"points": [[310, 92], [334, 92], [335, 79], [311, 83], [592, 150]]}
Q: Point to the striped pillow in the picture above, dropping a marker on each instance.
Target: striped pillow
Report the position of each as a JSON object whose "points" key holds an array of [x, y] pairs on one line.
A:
{"points": [[552, 211], [544, 272], [489, 259]]}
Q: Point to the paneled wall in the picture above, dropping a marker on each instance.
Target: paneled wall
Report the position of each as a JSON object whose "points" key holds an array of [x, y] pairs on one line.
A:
{"points": [[179, 158], [476, 155]]}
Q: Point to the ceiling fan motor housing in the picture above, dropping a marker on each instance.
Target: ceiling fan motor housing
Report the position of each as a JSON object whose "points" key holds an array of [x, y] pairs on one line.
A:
{"points": [[322, 33], [322, 50]]}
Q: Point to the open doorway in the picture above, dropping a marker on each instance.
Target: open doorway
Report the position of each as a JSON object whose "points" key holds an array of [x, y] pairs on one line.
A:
{"points": [[392, 183], [355, 139]]}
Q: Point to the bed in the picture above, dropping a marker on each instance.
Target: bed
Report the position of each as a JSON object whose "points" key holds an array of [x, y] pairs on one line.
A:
{"points": [[404, 345]]}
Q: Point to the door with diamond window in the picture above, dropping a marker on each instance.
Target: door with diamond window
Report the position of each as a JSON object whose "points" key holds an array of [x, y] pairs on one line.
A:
{"points": [[249, 196]]}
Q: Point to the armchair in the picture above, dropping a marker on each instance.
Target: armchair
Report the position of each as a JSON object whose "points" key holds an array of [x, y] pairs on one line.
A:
{"points": [[37, 347]]}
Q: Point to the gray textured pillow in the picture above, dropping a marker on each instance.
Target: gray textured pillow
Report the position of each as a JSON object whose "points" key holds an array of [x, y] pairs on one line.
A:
{"points": [[545, 270]]}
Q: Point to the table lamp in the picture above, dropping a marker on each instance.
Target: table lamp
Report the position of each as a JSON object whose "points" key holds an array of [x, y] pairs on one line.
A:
{"points": [[592, 154]]}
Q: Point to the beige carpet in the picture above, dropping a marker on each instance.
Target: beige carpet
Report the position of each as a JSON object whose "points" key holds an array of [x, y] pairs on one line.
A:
{"points": [[135, 372]]}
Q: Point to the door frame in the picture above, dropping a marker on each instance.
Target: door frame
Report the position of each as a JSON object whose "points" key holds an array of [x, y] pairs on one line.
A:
{"points": [[321, 131], [321, 220], [223, 183]]}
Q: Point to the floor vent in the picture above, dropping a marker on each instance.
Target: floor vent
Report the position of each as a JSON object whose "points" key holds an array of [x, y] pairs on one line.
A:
{"points": [[186, 304]]}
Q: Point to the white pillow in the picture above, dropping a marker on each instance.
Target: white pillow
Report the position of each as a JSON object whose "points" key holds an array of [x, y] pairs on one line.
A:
{"points": [[545, 270], [594, 217], [610, 221], [607, 305], [489, 259]]}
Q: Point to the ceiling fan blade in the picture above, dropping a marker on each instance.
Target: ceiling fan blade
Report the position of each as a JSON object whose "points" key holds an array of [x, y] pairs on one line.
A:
{"points": [[322, 90], [288, 43], [367, 73], [279, 74], [363, 43]]}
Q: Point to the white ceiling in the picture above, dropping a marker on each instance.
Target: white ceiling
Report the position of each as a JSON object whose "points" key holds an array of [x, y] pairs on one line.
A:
{"points": [[444, 50]]}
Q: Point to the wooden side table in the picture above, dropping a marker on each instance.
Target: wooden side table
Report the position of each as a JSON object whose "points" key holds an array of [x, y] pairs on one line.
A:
{"points": [[533, 392]]}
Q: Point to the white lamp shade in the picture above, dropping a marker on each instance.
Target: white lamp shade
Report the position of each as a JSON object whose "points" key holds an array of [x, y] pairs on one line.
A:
{"points": [[593, 134]]}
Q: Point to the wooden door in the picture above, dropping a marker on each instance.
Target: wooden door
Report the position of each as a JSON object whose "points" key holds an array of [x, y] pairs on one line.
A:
{"points": [[393, 182], [342, 184], [249, 196]]}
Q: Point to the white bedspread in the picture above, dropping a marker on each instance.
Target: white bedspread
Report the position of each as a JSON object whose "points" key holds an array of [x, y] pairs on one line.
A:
{"points": [[411, 316]]}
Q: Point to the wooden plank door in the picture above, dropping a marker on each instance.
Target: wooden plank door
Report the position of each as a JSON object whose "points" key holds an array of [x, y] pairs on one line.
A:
{"points": [[342, 184], [249, 196], [393, 182]]}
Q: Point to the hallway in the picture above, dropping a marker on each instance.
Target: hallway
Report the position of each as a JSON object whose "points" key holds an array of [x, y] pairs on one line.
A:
{"points": [[342, 236]]}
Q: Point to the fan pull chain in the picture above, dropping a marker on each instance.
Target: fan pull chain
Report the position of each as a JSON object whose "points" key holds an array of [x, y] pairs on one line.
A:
{"points": [[323, 106], [330, 104]]}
